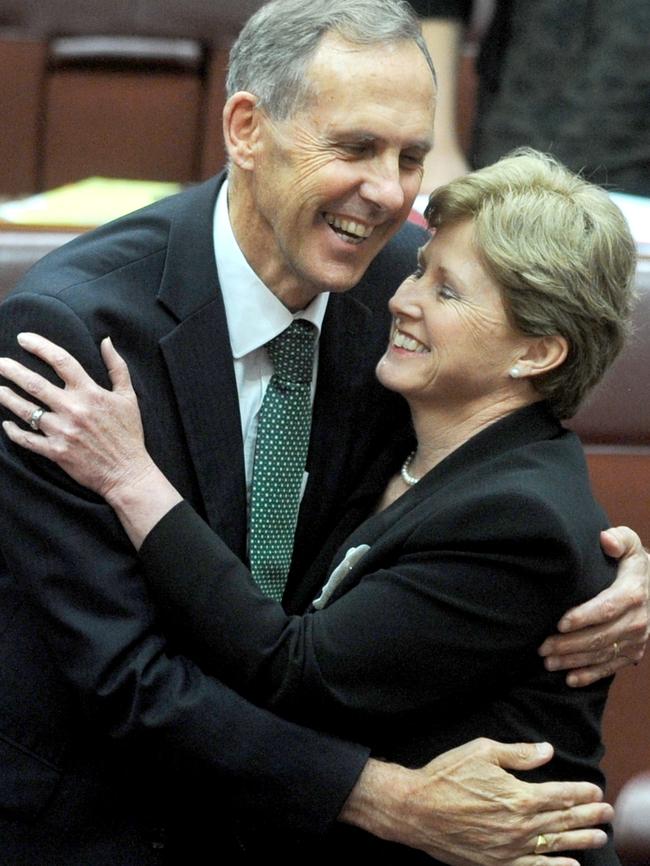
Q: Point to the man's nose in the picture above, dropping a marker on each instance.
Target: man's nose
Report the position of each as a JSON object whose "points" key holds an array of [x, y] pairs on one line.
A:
{"points": [[383, 185]]}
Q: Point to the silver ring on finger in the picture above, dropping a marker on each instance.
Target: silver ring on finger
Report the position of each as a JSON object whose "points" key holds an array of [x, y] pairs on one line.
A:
{"points": [[35, 418], [541, 844]]}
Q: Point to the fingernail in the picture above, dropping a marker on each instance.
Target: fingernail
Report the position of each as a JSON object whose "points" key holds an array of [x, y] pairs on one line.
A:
{"points": [[544, 749], [24, 339], [551, 664]]}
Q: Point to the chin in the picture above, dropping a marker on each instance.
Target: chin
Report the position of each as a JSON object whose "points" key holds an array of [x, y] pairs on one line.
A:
{"points": [[384, 377], [341, 284], [341, 276]]}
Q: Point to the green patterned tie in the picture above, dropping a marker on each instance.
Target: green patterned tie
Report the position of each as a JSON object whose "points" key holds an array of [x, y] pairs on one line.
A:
{"points": [[280, 456]]}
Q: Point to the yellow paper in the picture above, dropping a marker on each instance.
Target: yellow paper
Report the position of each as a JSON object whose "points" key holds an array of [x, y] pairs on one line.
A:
{"points": [[89, 202]]}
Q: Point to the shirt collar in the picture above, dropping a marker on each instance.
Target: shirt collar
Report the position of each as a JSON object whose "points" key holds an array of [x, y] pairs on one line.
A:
{"points": [[253, 313]]}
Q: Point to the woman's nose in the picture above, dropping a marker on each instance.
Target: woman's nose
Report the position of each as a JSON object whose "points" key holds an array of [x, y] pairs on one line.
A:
{"points": [[404, 301]]}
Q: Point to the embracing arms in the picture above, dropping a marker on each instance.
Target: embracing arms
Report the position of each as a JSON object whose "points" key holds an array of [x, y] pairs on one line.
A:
{"points": [[373, 803], [121, 470]]}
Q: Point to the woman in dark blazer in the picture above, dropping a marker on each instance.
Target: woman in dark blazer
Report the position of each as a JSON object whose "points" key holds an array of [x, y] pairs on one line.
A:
{"points": [[480, 533]]}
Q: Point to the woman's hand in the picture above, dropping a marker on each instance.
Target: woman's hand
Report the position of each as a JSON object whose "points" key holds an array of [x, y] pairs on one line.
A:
{"points": [[93, 434]]}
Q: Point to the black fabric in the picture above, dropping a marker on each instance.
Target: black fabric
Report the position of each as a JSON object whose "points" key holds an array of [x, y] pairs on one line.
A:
{"points": [[572, 79], [431, 639], [115, 747]]}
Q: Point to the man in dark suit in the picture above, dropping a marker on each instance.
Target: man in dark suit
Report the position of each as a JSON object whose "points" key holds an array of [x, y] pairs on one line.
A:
{"points": [[114, 746]]}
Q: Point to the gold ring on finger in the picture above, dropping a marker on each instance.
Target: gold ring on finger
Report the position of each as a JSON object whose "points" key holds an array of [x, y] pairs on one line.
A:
{"points": [[616, 649], [541, 844]]}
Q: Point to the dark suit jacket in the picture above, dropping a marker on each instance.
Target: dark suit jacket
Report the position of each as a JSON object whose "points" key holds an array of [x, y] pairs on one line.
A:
{"points": [[107, 732], [430, 639]]}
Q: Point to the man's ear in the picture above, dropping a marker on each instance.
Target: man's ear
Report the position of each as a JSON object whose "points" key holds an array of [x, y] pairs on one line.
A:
{"points": [[542, 355], [241, 128]]}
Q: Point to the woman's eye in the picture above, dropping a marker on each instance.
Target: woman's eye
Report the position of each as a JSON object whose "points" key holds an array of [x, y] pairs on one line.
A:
{"points": [[447, 293], [417, 273]]}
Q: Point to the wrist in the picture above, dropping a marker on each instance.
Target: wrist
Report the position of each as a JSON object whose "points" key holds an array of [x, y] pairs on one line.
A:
{"points": [[142, 500], [378, 801], [132, 485]]}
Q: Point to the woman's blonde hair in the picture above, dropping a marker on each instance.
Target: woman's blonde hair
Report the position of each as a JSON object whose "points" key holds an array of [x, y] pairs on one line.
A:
{"points": [[563, 254]]}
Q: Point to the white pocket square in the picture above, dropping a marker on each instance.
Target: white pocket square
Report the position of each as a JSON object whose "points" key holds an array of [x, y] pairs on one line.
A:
{"points": [[350, 559]]}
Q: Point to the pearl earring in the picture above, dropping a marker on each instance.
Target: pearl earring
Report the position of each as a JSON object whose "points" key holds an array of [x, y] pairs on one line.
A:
{"points": [[515, 372]]}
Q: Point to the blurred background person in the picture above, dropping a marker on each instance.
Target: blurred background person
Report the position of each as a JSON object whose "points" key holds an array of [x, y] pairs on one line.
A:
{"points": [[572, 79]]}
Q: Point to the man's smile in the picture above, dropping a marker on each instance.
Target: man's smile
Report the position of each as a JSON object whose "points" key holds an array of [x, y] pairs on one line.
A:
{"points": [[350, 230]]}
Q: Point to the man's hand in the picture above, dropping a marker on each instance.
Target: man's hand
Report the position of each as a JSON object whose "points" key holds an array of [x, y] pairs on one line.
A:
{"points": [[464, 809], [611, 630]]}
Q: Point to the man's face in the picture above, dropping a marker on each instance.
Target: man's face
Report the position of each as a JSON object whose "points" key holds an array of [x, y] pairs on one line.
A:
{"points": [[329, 186]]}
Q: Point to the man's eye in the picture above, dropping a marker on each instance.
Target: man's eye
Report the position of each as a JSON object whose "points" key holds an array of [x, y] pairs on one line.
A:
{"points": [[410, 161], [417, 273], [447, 293], [355, 149]]}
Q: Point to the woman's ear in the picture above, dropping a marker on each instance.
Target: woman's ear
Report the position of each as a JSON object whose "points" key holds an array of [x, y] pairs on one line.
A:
{"points": [[241, 128], [542, 355]]}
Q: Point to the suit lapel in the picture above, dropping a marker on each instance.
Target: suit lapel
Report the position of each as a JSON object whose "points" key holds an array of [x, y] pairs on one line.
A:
{"points": [[199, 361], [342, 371], [349, 425]]}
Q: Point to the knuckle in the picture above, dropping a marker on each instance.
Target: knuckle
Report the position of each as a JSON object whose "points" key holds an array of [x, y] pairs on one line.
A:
{"points": [[33, 386], [60, 356], [638, 629], [483, 744], [567, 821], [59, 448], [609, 608], [638, 594], [596, 642], [554, 841], [70, 434], [77, 412], [524, 804]]}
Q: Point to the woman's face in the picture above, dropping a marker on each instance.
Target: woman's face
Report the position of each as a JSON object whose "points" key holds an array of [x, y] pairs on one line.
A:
{"points": [[451, 342]]}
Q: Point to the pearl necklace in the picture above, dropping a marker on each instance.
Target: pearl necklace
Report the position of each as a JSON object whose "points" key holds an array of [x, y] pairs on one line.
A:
{"points": [[407, 478]]}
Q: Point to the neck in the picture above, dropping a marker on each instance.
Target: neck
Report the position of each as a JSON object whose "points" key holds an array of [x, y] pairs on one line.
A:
{"points": [[441, 430], [255, 239]]}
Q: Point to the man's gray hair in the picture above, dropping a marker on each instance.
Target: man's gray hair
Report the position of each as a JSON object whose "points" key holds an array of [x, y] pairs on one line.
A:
{"points": [[271, 55]]}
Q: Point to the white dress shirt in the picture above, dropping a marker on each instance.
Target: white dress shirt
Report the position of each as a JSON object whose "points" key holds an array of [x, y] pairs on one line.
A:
{"points": [[254, 316]]}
